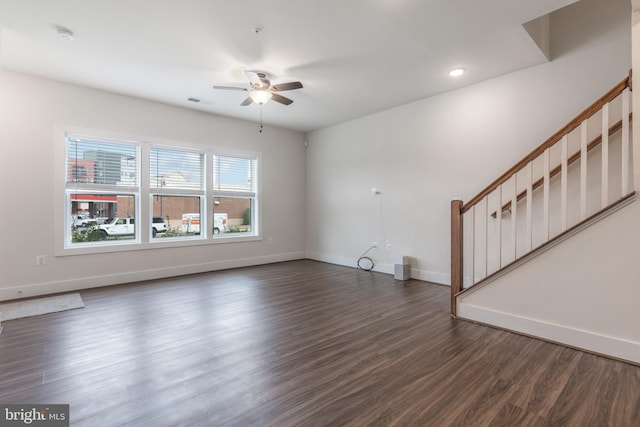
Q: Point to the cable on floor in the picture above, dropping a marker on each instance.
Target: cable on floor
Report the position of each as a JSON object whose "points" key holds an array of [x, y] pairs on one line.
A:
{"points": [[363, 257]]}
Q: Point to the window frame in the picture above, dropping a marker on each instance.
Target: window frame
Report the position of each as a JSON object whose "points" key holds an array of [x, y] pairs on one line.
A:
{"points": [[251, 195], [144, 194], [199, 193], [79, 188]]}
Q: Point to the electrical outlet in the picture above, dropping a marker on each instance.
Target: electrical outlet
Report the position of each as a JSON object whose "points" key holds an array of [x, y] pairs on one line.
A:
{"points": [[41, 260], [375, 244], [269, 240], [389, 247]]}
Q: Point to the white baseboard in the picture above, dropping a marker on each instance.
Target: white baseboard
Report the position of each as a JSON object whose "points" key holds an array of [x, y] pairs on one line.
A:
{"points": [[347, 262], [587, 340], [424, 275], [431, 276], [37, 289]]}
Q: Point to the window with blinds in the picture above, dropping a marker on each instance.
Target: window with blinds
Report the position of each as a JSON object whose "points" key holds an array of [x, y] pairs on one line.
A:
{"points": [[109, 203], [177, 188], [101, 184], [234, 190]]}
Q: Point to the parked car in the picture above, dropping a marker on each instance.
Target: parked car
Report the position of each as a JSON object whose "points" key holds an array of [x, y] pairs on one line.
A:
{"points": [[81, 220], [126, 226], [158, 225]]}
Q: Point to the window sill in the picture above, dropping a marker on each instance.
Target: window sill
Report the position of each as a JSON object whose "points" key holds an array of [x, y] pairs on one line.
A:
{"points": [[157, 243]]}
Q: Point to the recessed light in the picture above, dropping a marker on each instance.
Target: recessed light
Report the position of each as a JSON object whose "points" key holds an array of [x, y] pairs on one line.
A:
{"points": [[457, 72], [65, 34]]}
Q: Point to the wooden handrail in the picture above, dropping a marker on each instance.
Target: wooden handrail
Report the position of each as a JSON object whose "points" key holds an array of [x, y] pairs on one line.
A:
{"points": [[573, 124], [556, 170]]}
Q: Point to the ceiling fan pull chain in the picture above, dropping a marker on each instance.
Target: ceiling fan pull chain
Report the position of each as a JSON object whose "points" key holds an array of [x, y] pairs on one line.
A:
{"points": [[260, 118]]}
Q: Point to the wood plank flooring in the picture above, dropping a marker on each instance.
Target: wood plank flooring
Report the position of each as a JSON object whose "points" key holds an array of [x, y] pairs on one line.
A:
{"points": [[300, 344]]}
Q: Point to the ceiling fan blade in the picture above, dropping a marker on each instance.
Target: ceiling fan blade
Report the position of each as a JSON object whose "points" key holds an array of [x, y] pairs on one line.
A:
{"points": [[281, 99], [230, 88], [256, 79], [246, 102], [286, 86]]}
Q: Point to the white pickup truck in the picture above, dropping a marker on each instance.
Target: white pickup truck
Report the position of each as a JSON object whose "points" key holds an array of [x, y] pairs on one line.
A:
{"points": [[126, 227], [81, 220]]}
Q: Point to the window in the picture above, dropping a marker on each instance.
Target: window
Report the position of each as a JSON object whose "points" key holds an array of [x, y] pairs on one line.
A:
{"points": [[234, 195], [187, 195], [177, 191], [101, 184], [181, 215]]}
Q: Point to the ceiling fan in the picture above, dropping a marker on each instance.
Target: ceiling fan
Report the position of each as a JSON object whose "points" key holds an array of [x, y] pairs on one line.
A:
{"points": [[262, 90]]}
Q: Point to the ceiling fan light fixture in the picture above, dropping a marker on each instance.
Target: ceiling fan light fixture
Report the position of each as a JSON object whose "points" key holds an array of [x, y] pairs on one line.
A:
{"points": [[260, 96]]}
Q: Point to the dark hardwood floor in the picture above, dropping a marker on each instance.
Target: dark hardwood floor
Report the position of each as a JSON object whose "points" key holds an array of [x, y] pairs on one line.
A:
{"points": [[300, 344]]}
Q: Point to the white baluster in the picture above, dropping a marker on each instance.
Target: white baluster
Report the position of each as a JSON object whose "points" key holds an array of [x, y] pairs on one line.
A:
{"points": [[473, 245], [625, 142], [486, 236], [605, 156], [514, 216], [499, 225], [529, 206], [545, 195], [583, 170], [563, 183]]}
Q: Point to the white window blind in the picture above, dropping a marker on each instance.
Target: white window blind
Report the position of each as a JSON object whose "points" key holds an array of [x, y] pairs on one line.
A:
{"points": [[176, 169], [234, 176], [91, 163]]}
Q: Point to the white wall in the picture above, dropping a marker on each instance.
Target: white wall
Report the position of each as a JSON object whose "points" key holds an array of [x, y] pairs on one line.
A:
{"points": [[31, 108], [422, 154]]}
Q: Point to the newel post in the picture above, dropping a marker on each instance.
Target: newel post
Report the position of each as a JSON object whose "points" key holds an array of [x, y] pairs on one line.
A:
{"points": [[456, 252]]}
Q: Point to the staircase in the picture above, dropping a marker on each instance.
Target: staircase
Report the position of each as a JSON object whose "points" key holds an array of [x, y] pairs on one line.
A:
{"points": [[579, 175]]}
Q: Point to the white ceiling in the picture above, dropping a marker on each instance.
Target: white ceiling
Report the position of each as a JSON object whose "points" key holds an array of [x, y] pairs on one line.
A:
{"points": [[354, 57]]}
